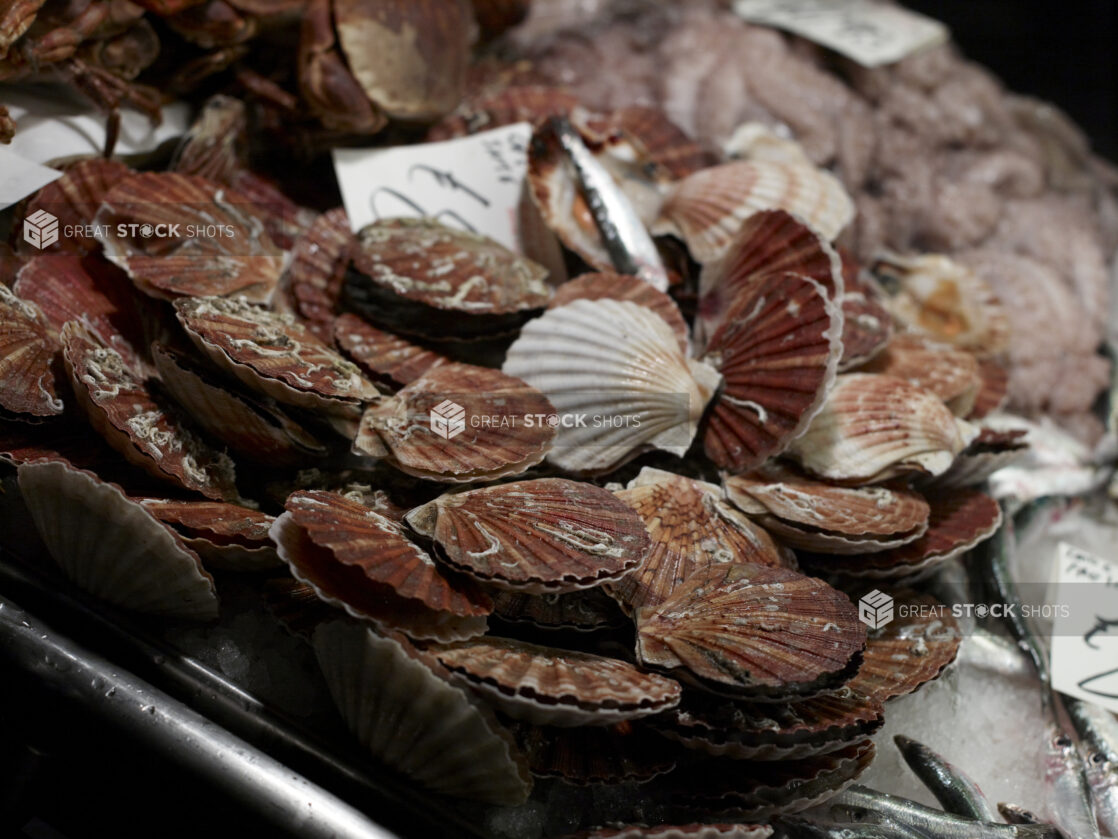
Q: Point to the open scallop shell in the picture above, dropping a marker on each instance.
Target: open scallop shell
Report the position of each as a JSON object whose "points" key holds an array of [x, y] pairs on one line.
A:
{"points": [[874, 427], [74, 198], [210, 242], [28, 347], [382, 354], [778, 352], [952, 375], [595, 754], [691, 527], [707, 208], [112, 547], [460, 423], [611, 286], [274, 355], [753, 630], [618, 366], [359, 560], [123, 410], [399, 704], [586, 610], [314, 278], [816, 516], [250, 427], [990, 451], [548, 686], [421, 277], [546, 535], [226, 536]]}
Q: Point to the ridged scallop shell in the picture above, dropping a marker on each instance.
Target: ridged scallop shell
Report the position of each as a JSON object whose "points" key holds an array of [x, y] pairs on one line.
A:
{"points": [[231, 255], [546, 535], [947, 301], [611, 360], [922, 639], [382, 354], [753, 630], [771, 730], [611, 286], [993, 391], [707, 209], [548, 686], [422, 277], [359, 560], [691, 527], [284, 220], [595, 754], [952, 375], [516, 103], [875, 427], [650, 139], [123, 410], [769, 242], [249, 426], [211, 148], [679, 831], [867, 325], [74, 198], [816, 516], [274, 355], [409, 56], [959, 519], [778, 352], [587, 610], [399, 705], [314, 278], [28, 347], [225, 536], [990, 451], [112, 547], [401, 427]]}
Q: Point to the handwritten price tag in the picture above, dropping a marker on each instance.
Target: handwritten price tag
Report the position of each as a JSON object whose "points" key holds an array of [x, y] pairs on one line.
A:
{"points": [[871, 33], [473, 183], [1085, 639]]}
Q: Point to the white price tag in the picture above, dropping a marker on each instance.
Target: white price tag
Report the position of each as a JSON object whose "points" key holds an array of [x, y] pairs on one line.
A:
{"points": [[472, 183], [869, 32], [1085, 634], [20, 177]]}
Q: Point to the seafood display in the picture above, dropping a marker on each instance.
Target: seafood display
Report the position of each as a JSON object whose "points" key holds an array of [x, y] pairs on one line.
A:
{"points": [[638, 521]]}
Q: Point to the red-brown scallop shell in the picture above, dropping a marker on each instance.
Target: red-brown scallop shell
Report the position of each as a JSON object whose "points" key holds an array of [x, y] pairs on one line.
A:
{"points": [[596, 754], [546, 535], [74, 198], [227, 252], [314, 278], [654, 142], [778, 352], [691, 527], [225, 536], [753, 630], [993, 391], [952, 375], [549, 686], [516, 103], [400, 427], [28, 348], [381, 354], [611, 286]]}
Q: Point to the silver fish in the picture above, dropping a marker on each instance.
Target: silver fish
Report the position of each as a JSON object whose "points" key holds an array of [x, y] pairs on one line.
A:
{"points": [[1098, 738], [628, 242], [1069, 799], [867, 806], [795, 827], [953, 789]]}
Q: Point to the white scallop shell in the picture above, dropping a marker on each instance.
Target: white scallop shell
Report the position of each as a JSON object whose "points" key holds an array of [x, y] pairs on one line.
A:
{"points": [[617, 361]]}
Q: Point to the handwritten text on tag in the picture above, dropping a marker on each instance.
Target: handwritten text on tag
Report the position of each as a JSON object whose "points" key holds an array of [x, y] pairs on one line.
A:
{"points": [[1085, 640]]}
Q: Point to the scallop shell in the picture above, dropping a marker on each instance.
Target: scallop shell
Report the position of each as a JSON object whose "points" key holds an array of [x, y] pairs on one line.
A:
{"points": [[875, 427], [74, 198], [284, 220], [399, 705], [225, 536], [319, 261], [212, 146], [123, 410], [28, 346], [679, 831], [922, 639], [952, 375], [770, 730], [647, 136], [496, 440], [867, 325], [409, 56], [112, 547], [230, 254], [960, 518], [382, 354], [947, 301], [586, 610], [990, 451], [769, 242], [691, 528], [516, 103], [548, 686], [363, 562], [778, 352], [993, 390], [250, 427], [753, 630], [612, 286], [274, 355], [614, 363], [596, 754], [425, 278], [707, 209], [546, 535], [816, 516]]}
